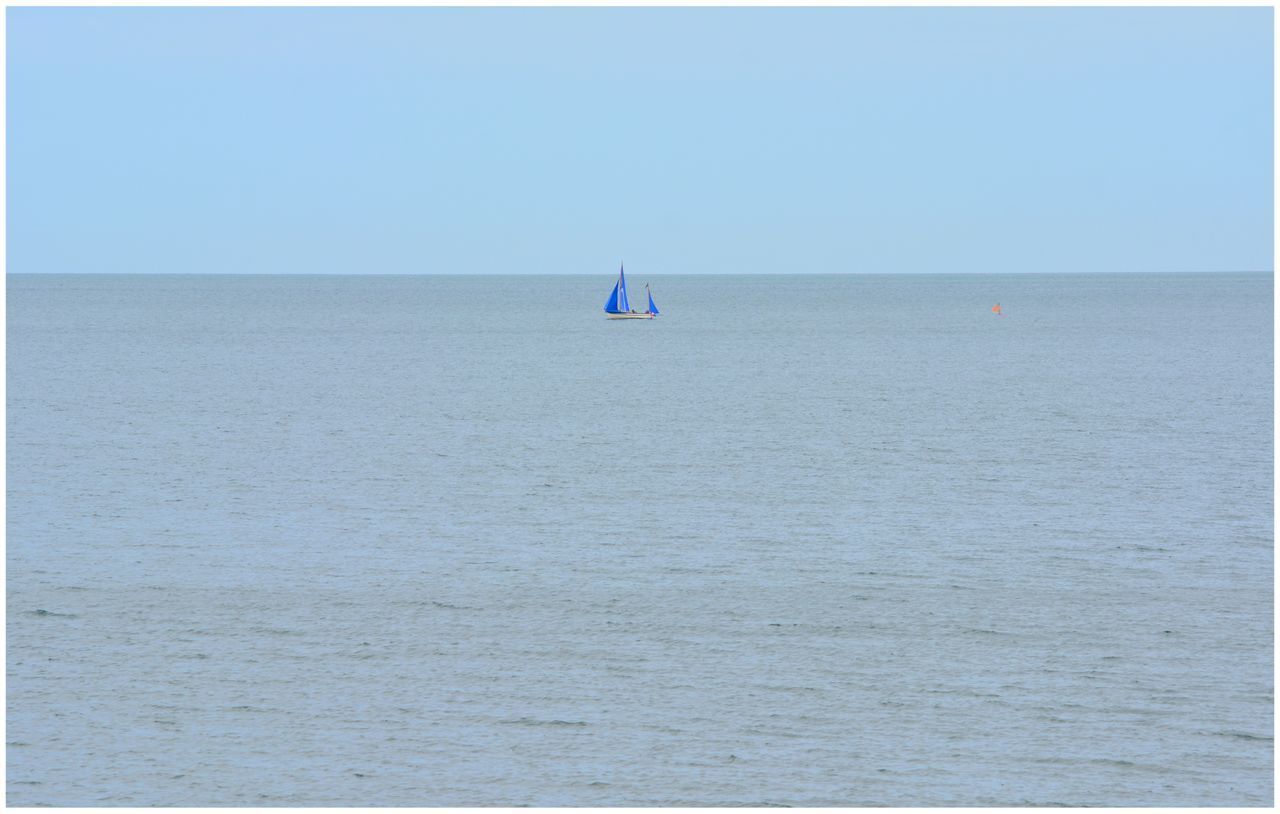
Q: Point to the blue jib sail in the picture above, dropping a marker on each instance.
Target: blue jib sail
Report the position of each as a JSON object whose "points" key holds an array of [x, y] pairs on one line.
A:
{"points": [[653, 309], [612, 305]]}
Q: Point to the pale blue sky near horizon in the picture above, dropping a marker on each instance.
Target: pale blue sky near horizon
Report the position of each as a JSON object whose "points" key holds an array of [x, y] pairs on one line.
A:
{"points": [[681, 140]]}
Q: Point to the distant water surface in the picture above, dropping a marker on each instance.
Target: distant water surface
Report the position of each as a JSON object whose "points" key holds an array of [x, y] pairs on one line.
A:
{"points": [[821, 540]]}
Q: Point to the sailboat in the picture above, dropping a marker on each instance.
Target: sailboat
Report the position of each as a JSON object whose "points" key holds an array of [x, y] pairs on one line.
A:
{"points": [[617, 306]]}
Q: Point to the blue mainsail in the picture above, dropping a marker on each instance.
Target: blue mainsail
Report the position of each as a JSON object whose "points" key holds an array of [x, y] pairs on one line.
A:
{"points": [[617, 303]]}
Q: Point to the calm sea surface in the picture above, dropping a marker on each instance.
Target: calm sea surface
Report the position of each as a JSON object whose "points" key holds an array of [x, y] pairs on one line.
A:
{"points": [[836, 540]]}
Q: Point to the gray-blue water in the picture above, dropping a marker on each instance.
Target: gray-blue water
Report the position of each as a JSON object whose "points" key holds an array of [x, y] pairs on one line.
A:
{"points": [[843, 540]]}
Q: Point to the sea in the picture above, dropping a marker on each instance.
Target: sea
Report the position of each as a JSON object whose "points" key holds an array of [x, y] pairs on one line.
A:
{"points": [[802, 540]]}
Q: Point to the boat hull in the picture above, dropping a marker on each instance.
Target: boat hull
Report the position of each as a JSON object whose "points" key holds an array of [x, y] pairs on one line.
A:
{"points": [[628, 316]]}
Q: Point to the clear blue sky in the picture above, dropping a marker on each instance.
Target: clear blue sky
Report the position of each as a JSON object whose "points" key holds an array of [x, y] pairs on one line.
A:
{"points": [[681, 140]]}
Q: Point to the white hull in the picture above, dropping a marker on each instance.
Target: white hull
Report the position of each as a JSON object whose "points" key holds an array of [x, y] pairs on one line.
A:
{"points": [[629, 316]]}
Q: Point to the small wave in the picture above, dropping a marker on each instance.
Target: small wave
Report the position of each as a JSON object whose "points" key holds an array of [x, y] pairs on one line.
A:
{"points": [[1035, 804], [425, 603], [787, 688], [43, 612], [537, 722], [722, 804], [1243, 736]]}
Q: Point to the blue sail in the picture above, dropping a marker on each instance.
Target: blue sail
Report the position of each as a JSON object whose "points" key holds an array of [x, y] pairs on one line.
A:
{"points": [[653, 309], [617, 302], [623, 305]]}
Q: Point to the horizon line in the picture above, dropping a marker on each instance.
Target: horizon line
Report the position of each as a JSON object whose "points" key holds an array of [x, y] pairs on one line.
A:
{"points": [[603, 274]]}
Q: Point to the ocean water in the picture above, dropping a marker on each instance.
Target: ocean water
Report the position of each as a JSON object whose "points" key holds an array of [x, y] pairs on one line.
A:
{"points": [[803, 540]]}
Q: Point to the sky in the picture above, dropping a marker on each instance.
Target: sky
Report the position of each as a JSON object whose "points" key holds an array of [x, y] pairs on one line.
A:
{"points": [[681, 140]]}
